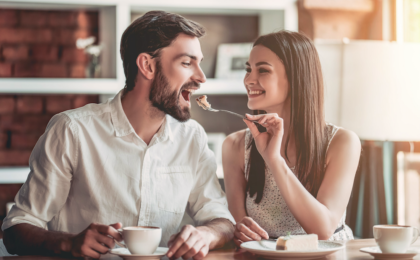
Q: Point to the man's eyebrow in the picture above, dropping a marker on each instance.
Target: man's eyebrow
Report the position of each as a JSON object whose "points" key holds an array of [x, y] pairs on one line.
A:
{"points": [[188, 55], [259, 63]]}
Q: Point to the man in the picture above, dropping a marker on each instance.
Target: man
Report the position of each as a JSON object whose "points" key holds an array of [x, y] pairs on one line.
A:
{"points": [[135, 159]]}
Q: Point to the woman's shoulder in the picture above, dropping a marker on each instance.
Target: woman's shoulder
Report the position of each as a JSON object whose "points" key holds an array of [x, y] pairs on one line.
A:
{"points": [[236, 140], [232, 149], [345, 136], [343, 140]]}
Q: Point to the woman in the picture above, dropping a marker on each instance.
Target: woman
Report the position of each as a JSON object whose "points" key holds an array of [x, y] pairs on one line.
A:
{"points": [[297, 176]]}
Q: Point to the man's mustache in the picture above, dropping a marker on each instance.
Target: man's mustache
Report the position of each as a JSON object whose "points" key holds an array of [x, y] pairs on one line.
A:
{"points": [[190, 85]]}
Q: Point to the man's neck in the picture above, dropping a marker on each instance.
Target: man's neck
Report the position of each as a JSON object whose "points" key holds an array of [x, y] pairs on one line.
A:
{"points": [[142, 115]]}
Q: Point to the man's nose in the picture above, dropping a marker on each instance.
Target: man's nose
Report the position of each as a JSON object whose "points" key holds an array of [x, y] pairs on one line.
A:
{"points": [[199, 76]]}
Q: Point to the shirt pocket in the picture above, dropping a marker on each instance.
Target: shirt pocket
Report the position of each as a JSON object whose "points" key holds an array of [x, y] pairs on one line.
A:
{"points": [[174, 184]]}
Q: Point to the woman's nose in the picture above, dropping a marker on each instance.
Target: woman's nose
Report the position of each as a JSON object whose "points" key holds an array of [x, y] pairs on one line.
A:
{"points": [[250, 79]]}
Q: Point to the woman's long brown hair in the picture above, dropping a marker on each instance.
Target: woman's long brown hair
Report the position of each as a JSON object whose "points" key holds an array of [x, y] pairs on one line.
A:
{"points": [[307, 123]]}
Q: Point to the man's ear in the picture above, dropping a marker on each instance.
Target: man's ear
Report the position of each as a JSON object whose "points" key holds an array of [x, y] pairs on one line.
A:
{"points": [[146, 65]]}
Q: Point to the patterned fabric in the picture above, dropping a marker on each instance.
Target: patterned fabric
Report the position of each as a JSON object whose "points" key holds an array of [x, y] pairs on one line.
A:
{"points": [[272, 213]]}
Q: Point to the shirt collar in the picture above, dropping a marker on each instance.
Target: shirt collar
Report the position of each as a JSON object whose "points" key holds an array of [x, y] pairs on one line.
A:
{"points": [[165, 131], [123, 127]]}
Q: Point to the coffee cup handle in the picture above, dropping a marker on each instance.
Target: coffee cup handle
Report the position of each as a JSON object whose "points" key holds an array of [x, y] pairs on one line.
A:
{"points": [[416, 235], [122, 245]]}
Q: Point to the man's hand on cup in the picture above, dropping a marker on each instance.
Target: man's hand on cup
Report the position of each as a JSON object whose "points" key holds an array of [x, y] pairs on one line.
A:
{"points": [[248, 230], [95, 240], [190, 242]]}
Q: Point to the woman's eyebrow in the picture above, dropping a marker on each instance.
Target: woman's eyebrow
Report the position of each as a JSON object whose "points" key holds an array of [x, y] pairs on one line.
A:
{"points": [[259, 63], [262, 63]]}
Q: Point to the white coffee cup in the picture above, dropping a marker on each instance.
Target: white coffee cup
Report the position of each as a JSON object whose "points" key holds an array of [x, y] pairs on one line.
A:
{"points": [[394, 238], [141, 240]]}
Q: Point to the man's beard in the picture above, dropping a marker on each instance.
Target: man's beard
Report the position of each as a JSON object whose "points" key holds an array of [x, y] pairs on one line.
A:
{"points": [[166, 101]]}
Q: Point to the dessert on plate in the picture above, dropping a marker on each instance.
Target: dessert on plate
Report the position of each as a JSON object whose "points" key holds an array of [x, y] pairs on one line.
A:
{"points": [[298, 242]]}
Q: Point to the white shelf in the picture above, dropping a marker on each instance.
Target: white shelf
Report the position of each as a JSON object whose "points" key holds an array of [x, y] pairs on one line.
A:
{"points": [[115, 17], [201, 4], [101, 86], [59, 86], [13, 175]]}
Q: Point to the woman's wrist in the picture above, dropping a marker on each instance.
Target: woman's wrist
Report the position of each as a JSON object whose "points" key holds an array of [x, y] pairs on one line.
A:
{"points": [[276, 162]]}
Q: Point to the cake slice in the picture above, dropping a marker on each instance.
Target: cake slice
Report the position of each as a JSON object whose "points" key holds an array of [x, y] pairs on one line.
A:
{"points": [[202, 102], [298, 242]]}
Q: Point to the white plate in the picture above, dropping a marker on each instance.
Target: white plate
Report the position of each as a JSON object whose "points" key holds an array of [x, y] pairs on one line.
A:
{"points": [[125, 254], [267, 249], [377, 253]]}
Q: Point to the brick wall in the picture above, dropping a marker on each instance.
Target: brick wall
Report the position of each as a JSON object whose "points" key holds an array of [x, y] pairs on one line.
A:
{"points": [[43, 43], [36, 43], [23, 119]]}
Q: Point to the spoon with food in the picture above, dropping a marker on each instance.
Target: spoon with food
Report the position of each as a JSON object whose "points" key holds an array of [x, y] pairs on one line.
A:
{"points": [[204, 104]]}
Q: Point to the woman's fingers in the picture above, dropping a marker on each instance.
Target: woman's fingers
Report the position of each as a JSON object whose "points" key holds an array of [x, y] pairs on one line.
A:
{"points": [[266, 119], [242, 228], [241, 236], [252, 127], [260, 117], [252, 225], [254, 117], [237, 242]]}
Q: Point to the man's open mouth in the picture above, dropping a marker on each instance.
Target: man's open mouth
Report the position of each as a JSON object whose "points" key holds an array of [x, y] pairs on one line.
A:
{"points": [[186, 94]]}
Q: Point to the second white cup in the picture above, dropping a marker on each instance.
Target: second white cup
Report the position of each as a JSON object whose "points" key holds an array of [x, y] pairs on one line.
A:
{"points": [[394, 238]]}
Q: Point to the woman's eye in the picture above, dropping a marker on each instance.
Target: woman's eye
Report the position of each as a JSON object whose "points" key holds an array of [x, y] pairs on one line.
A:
{"points": [[186, 63], [262, 70], [248, 70]]}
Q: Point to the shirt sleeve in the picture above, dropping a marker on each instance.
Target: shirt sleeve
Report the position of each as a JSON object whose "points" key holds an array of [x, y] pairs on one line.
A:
{"points": [[51, 166], [207, 200]]}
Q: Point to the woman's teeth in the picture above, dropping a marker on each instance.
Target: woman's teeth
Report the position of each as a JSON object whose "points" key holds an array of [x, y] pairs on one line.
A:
{"points": [[255, 92]]}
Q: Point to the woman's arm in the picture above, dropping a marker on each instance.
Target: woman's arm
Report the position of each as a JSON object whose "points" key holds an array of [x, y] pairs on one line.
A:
{"points": [[233, 157], [233, 150], [321, 215], [318, 215]]}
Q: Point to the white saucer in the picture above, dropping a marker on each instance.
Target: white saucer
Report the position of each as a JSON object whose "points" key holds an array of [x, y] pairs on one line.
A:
{"points": [[125, 254], [267, 249], [377, 253]]}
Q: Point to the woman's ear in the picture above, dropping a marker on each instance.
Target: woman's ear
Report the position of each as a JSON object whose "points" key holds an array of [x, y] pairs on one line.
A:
{"points": [[146, 65]]}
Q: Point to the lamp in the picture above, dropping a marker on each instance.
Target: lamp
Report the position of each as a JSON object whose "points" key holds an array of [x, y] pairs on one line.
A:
{"points": [[373, 89], [381, 90]]}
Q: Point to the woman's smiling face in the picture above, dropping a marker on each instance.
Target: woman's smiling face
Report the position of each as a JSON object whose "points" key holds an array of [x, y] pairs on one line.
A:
{"points": [[266, 80]]}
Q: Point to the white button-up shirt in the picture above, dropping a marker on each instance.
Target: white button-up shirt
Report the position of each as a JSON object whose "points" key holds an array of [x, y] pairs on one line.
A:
{"points": [[91, 166]]}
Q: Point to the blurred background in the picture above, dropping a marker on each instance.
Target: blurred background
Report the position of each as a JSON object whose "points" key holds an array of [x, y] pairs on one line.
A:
{"points": [[57, 55]]}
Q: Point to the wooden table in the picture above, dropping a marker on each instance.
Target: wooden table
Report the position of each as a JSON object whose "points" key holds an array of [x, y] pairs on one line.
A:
{"points": [[350, 252]]}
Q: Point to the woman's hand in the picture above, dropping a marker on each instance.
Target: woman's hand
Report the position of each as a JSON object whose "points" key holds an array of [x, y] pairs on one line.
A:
{"points": [[268, 143], [248, 230]]}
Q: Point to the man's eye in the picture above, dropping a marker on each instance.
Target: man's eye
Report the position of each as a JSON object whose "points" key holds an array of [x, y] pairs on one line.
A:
{"points": [[186, 63], [248, 70]]}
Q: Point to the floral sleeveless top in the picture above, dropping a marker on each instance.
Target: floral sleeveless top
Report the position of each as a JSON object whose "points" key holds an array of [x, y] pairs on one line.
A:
{"points": [[272, 213]]}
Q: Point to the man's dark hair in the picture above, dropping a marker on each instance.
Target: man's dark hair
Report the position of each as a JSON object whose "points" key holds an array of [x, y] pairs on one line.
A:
{"points": [[149, 34]]}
